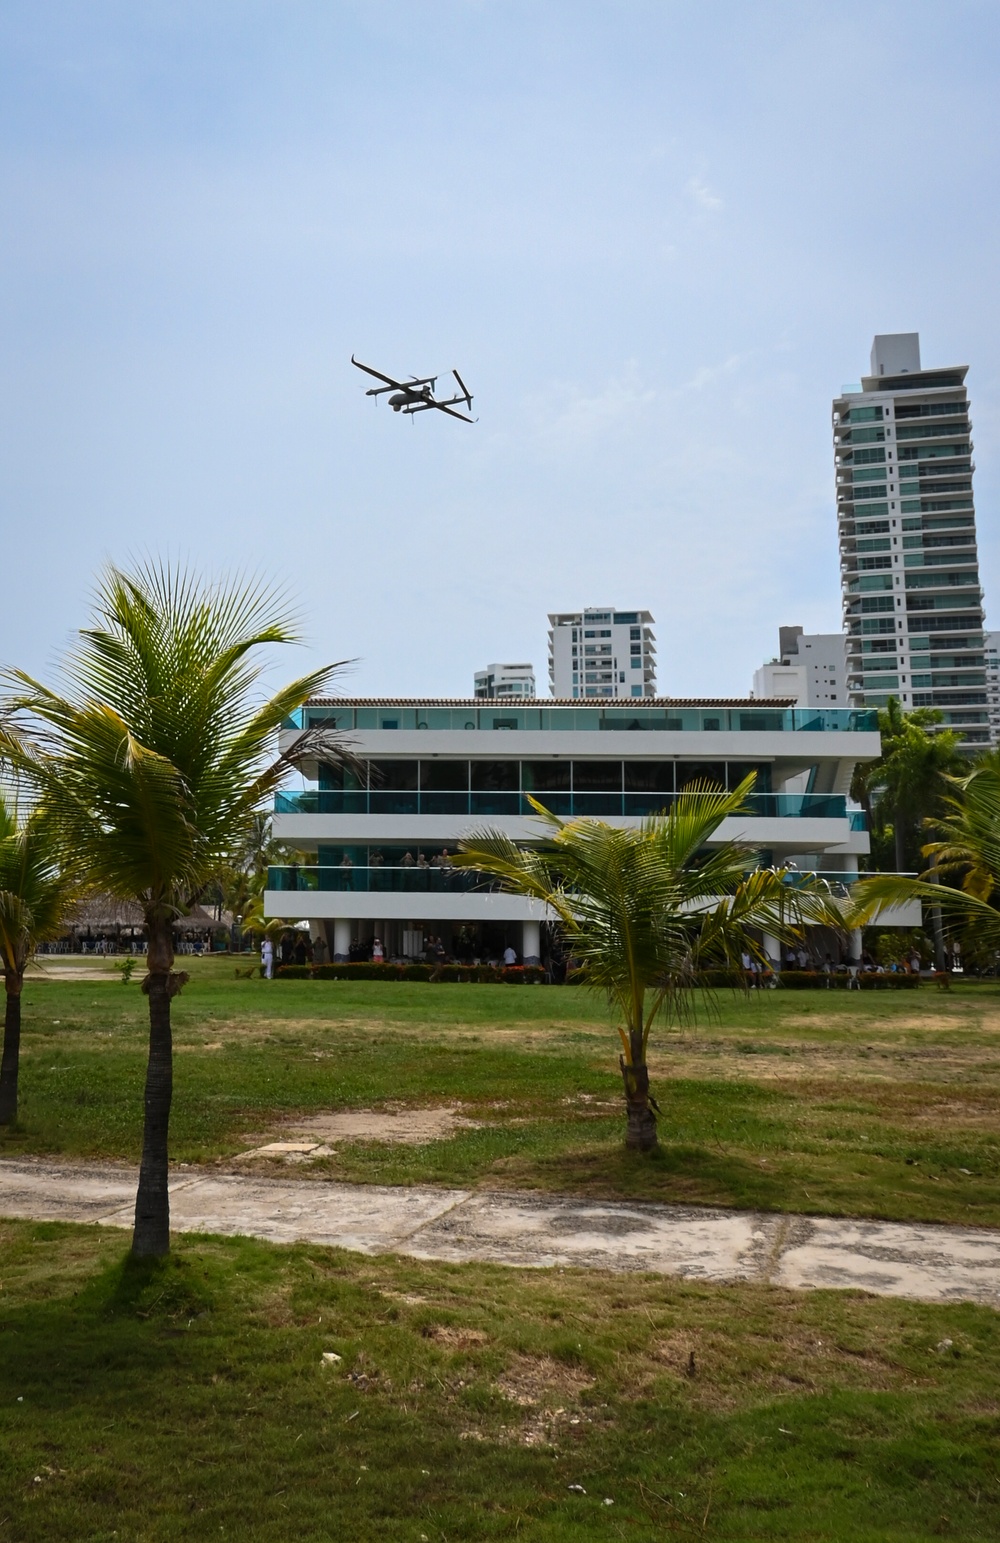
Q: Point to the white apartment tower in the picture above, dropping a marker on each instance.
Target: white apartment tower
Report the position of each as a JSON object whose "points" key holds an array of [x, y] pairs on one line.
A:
{"points": [[505, 680], [601, 652], [809, 667], [913, 607]]}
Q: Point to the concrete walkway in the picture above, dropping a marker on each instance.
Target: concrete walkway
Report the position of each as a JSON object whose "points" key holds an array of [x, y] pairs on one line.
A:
{"points": [[930, 1263]]}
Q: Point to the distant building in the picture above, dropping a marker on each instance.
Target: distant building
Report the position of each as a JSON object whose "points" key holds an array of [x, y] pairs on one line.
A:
{"points": [[992, 642], [505, 680], [913, 607], [811, 668], [601, 652]]}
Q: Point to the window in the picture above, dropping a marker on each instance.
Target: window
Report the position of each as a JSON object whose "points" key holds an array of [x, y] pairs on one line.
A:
{"points": [[635, 634], [545, 776], [495, 776], [444, 776]]}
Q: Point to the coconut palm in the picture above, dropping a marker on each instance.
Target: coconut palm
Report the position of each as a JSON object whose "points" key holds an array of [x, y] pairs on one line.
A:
{"points": [[646, 909], [966, 858], [907, 783], [152, 765], [34, 898]]}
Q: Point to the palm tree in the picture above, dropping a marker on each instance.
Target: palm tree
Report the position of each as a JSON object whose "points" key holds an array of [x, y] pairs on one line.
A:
{"points": [[34, 898], [152, 766], [906, 784], [646, 909], [968, 856]]}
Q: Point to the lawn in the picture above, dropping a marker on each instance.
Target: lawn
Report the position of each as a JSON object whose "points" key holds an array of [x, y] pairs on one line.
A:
{"points": [[876, 1104], [190, 1400]]}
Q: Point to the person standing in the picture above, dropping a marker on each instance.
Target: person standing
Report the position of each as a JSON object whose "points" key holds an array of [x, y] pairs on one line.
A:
{"points": [[319, 950], [509, 957], [267, 958], [378, 955]]}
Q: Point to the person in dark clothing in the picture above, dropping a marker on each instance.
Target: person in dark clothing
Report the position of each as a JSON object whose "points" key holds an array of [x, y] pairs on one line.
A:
{"points": [[287, 948], [301, 953]]}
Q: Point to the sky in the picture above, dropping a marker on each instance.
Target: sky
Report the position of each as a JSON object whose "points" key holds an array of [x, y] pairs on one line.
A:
{"points": [[655, 238]]}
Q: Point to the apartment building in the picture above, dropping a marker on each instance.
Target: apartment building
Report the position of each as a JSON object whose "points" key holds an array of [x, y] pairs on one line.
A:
{"points": [[809, 667], [378, 838], [602, 652], [505, 680], [913, 606]]}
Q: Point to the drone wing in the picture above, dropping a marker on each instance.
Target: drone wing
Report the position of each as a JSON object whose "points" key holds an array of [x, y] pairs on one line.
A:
{"points": [[442, 408], [398, 384], [463, 388]]}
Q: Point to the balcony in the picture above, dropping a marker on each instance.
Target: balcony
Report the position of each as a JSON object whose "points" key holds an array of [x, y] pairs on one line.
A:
{"points": [[814, 806], [290, 878]]}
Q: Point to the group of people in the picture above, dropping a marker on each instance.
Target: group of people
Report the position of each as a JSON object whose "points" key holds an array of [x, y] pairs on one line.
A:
{"points": [[293, 948]]}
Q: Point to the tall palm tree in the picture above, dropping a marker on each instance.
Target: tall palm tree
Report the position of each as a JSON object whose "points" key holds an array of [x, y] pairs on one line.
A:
{"points": [[647, 908], [35, 895], [152, 765], [967, 858], [905, 786]]}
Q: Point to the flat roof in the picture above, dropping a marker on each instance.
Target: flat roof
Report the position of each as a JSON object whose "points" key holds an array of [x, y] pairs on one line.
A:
{"points": [[629, 703]]}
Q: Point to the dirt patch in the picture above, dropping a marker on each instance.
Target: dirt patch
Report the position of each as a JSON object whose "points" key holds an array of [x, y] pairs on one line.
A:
{"points": [[410, 1127], [530, 1380], [455, 1338]]}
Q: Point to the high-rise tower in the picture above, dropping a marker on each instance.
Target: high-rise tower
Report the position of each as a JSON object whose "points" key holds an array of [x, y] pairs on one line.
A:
{"points": [[913, 607]]}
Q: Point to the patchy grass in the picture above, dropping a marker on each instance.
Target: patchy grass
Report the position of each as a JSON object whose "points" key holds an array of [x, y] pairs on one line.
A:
{"points": [[190, 1400], [823, 1102]]}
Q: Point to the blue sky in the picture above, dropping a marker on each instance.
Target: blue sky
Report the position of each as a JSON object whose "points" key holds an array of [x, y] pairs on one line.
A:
{"points": [[655, 238]]}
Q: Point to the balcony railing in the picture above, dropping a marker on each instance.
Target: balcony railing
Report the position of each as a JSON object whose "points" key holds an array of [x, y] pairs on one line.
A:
{"points": [[816, 806], [587, 718], [386, 880]]}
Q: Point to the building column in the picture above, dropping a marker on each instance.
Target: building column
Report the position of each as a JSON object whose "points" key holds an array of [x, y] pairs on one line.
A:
{"points": [[854, 946], [772, 950], [531, 943], [341, 941]]}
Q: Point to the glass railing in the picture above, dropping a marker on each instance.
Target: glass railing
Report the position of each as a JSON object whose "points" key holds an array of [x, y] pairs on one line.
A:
{"points": [[816, 806], [416, 880], [586, 719]]}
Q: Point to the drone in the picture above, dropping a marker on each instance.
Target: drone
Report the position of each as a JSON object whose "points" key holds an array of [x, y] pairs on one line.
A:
{"points": [[417, 396]]}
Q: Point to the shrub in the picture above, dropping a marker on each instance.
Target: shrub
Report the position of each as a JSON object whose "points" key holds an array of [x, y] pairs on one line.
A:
{"points": [[516, 975]]}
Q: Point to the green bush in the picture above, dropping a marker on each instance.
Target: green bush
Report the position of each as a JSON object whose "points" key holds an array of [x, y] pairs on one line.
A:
{"points": [[438, 973], [869, 980]]}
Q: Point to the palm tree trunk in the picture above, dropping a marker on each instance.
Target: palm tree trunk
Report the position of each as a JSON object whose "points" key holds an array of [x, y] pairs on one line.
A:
{"points": [[151, 1235], [10, 1063], [640, 1130], [899, 839]]}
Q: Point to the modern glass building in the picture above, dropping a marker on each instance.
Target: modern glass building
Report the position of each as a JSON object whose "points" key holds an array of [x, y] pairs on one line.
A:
{"points": [[913, 606], [376, 841]]}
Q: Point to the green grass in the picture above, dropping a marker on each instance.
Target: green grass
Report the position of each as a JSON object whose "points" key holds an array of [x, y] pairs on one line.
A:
{"points": [[189, 1400], [820, 1102]]}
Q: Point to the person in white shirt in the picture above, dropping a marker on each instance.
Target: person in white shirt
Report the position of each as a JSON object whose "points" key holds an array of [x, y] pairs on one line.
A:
{"points": [[267, 958], [509, 956]]}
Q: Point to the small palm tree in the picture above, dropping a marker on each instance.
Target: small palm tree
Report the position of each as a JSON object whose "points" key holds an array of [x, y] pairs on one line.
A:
{"points": [[153, 766], [967, 857], [34, 898], [648, 908]]}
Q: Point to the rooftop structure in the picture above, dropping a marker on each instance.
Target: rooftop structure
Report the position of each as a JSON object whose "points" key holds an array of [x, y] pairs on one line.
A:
{"points": [[505, 680], [432, 771], [601, 652], [913, 607]]}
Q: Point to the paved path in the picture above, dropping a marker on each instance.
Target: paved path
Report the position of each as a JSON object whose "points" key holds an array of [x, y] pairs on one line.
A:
{"points": [[939, 1264]]}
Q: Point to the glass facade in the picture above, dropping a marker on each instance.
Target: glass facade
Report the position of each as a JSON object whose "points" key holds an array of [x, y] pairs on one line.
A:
{"points": [[584, 720], [926, 539]]}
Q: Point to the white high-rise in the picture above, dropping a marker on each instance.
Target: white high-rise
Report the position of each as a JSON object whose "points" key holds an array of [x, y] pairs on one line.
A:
{"points": [[505, 680], [810, 668], [601, 652], [913, 607]]}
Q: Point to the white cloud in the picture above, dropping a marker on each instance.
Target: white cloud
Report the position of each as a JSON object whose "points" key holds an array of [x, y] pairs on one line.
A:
{"points": [[702, 196]]}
